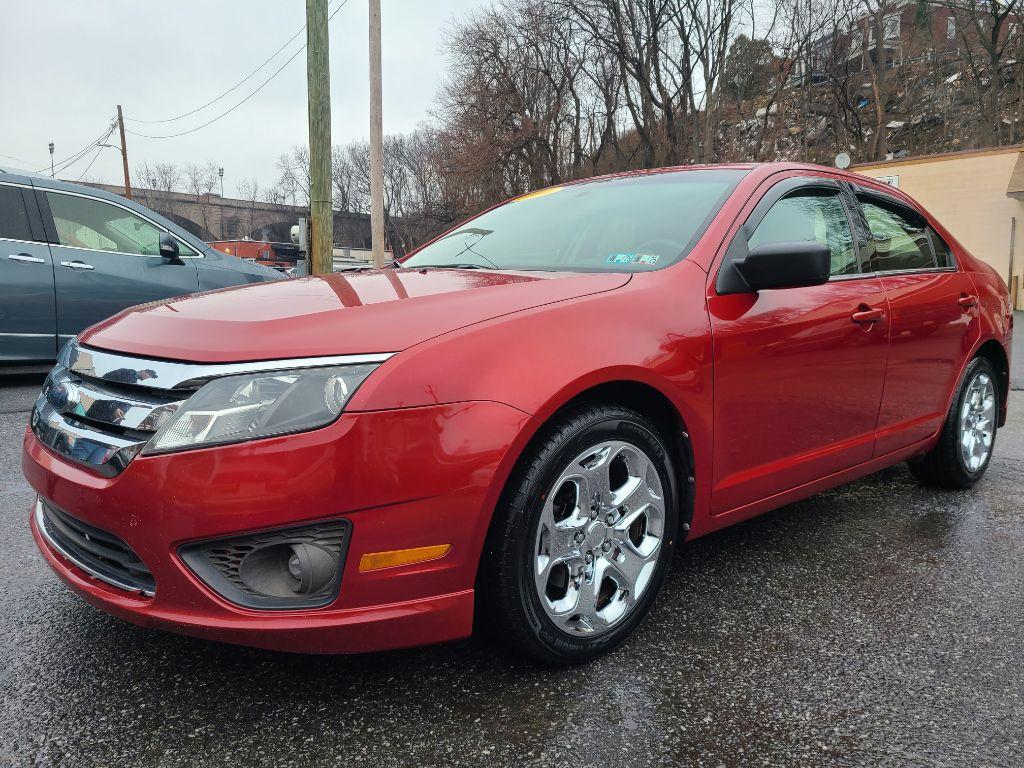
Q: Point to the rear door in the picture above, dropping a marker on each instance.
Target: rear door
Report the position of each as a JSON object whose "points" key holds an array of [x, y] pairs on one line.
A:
{"points": [[106, 258], [934, 319], [798, 371], [27, 314]]}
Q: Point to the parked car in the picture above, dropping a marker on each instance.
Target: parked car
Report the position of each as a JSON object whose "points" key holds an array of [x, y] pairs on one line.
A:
{"points": [[524, 419], [72, 255]]}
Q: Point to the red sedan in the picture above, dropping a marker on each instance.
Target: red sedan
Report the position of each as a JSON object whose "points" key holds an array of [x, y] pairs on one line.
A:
{"points": [[522, 420]]}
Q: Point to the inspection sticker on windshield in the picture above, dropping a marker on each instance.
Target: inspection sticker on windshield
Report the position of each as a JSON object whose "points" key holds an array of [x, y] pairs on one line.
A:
{"points": [[633, 258]]}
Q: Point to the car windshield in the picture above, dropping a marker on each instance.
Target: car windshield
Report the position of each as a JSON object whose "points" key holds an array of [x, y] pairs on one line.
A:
{"points": [[625, 224]]}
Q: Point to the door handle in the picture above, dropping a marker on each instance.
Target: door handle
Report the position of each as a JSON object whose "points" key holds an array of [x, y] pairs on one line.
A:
{"points": [[27, 258], [867, 315], [967, 301], [77, 265]]}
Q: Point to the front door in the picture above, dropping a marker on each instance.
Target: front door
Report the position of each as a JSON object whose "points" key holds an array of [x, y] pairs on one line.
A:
{"points": [[27, 316], [933, 315], [107, 258], [798, 371]]}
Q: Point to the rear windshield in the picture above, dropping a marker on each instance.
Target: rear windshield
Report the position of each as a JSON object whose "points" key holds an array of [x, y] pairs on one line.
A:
{"points": [[631, 224]]}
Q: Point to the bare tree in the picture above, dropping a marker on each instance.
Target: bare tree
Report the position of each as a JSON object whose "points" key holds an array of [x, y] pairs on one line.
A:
{"points": [[201, 182], [989, 30]]}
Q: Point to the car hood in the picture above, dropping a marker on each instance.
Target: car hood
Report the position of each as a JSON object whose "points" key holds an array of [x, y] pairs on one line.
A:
{"points": [[367, 312]]}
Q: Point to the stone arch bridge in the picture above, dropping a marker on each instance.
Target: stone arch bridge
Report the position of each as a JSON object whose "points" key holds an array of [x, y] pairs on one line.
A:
{"points": [[212, 217]]}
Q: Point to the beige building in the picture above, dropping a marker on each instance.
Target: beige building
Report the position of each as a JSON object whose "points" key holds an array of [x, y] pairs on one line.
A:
{"points": [[977, 195]]}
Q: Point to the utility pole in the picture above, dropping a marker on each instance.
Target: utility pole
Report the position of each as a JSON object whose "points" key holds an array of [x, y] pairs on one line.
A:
{"points": [[51, 160], [376, 141], [124, 155], [318, 79]]}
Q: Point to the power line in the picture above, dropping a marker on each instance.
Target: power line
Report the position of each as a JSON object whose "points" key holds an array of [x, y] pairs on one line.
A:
{"points": [[76, 156], [231, 89], [98, 150], [222, 114], [221, 96]]}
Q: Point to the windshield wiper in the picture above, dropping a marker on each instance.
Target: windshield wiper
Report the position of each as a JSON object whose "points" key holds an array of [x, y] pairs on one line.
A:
{"points": [[452, 266]]}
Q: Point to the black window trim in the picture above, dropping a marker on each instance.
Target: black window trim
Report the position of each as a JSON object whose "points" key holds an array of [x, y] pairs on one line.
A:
{"points": [[859, 191], [727, 280]]}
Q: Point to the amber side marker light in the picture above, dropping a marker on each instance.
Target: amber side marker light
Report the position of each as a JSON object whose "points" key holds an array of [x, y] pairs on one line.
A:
{"points": [[376, 561]]}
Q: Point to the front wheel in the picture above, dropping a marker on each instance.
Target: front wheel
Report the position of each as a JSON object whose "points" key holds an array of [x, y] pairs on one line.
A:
{"points": [[968, 435], [583, 537]]}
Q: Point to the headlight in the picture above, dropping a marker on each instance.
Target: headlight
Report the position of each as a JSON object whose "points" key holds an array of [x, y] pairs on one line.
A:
{"points": [[254, 405]]}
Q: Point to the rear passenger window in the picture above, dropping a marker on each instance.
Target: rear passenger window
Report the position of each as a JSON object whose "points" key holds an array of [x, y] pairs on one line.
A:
{"points": [[900, 238], [807, 216], [943, 253], [13, 216]]}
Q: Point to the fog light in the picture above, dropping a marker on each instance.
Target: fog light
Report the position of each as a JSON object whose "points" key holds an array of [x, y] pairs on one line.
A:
{"points": [[311, 568], [292, 568]]}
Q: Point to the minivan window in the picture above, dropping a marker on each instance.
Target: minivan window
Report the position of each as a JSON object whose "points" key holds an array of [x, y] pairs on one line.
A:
{"points": [[624, 224], [809, 216], [14, 224], [899, 237], [84, 222]]}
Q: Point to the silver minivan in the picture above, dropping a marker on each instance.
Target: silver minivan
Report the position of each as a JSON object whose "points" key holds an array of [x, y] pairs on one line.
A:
{"points": [[72, 255]]}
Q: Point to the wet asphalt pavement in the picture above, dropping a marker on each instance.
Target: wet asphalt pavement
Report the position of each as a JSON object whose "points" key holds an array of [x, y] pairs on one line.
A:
{"points": [[878, 624]]}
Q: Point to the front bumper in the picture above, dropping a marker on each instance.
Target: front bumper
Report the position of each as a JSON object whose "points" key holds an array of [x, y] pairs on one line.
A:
{"points": [[404, 478]]}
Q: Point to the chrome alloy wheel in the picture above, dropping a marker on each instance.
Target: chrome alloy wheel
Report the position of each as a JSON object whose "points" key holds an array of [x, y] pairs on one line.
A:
{"points": [[599, 536], [977, 421]]}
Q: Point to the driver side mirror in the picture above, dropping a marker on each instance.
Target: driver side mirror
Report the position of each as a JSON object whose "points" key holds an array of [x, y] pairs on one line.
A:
{"points": [[793, 264], [169, 249]]}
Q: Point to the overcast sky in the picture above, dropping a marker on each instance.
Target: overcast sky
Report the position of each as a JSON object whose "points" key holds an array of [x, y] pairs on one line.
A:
{"points": [[68, 63]]}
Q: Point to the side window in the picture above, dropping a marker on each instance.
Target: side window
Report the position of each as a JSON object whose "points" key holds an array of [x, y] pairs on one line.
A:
{"points": [[14, 223], [82, 222], [943, 253], [899, 238], [818, 217]]}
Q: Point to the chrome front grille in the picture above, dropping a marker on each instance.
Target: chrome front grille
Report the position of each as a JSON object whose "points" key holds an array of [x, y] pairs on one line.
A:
{"points": [[99, 410]]}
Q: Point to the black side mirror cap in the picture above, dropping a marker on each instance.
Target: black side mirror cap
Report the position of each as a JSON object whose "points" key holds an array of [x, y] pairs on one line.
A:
{"points": [[795, 264], [169, 248]]}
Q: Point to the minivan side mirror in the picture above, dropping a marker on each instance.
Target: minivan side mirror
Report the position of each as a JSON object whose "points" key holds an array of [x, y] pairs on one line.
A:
{"points": [[793, 264], [169, 249]]}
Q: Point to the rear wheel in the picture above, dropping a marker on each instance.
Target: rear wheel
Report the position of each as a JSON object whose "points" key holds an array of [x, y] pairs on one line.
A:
{"points": [[583, 537], [968, 435]]}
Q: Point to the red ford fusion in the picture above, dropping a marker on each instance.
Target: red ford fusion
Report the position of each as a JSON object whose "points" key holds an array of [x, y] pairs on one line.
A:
{"points": [[522, 420]]}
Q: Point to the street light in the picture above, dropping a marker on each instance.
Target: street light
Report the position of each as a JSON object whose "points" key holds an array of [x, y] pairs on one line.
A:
{"points": [[220, 172]]}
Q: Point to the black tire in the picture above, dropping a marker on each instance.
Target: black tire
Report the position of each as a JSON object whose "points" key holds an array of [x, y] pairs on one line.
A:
{"points": [[944, 465], [509, 596]]}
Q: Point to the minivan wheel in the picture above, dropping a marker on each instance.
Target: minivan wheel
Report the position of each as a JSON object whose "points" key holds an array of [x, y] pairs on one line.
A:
{"points": [[583, 536], [968, 435]]}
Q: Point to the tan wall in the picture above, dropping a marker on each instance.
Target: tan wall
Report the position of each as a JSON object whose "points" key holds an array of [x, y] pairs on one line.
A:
{"points": [[967, 193]]}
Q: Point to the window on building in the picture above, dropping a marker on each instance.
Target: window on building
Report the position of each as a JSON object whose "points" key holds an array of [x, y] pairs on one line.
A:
{"points": [[856, 40], [891, 28]]}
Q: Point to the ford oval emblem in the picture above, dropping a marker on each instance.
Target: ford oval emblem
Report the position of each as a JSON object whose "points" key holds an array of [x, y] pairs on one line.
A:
{"points": [[63, 397]]}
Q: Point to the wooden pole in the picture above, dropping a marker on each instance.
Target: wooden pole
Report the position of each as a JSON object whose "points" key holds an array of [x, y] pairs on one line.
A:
{"points": [[376, 141], [318, 77], [124, 154]]}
